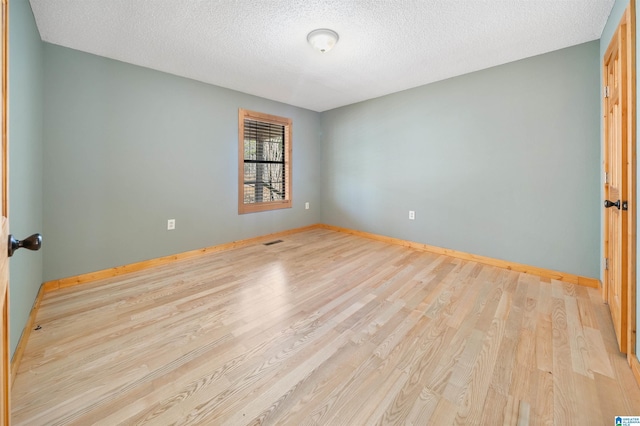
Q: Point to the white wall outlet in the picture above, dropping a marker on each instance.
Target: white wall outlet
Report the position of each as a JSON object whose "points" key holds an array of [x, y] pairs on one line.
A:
{"points": [[412, 215], [306, 205], [171, 224]]}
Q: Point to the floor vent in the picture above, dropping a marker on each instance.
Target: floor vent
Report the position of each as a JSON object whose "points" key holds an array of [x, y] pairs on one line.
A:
{"points": [[270, 243]]}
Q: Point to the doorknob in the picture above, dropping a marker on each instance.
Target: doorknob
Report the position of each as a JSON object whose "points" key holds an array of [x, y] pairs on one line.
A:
{"points": [[608, 204], [33, 242]]}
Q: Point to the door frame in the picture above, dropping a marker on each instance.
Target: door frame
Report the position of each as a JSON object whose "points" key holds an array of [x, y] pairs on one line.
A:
{"points": [[632, 358], [5, 403], [627, 33]]}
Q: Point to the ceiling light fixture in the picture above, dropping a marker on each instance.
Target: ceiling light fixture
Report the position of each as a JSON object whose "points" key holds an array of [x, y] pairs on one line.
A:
{"points": [[323, 39]]}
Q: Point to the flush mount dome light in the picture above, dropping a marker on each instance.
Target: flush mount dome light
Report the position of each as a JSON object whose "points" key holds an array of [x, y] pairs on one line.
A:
{"points": [[323, 39]]}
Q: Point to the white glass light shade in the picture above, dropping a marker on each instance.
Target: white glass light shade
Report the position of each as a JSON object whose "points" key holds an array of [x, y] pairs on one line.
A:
{"points": [[323, 39]]}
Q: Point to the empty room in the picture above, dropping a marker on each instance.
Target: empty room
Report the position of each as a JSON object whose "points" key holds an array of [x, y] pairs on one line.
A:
{"points": [[356, 212]]}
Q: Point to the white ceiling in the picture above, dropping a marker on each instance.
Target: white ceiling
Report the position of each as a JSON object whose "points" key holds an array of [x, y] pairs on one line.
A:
{"points": [[259, 46]]}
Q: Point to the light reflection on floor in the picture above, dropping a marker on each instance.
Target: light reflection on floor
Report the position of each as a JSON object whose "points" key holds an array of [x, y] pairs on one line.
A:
{"points": [[271, 293]]}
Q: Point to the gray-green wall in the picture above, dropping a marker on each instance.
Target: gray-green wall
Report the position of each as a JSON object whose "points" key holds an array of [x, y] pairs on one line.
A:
{"points": [[503, 162], [127, 148], [25, 156]]}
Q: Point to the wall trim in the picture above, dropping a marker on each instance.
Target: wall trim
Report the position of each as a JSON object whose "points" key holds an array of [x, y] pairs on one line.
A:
{"points": [[632, 282], [518, 267], [139, 266], [24, 338], [146, 264]]}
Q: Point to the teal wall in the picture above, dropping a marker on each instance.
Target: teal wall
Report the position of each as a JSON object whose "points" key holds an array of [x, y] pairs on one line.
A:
{"points": [[502, 163], [128, 148], [495, 163], [25, 153], [612, 23]]}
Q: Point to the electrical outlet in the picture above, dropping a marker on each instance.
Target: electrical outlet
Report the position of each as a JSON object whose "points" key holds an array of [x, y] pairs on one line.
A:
{"points": [[412, 215], [171, 224], [306, 205]]}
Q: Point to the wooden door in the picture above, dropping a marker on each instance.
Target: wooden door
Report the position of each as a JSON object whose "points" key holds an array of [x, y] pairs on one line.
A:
{"points": [[619, 179], [4, 225]]}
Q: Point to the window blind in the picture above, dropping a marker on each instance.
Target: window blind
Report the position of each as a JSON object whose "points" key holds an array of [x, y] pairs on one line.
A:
{"points": [[264, 161]]}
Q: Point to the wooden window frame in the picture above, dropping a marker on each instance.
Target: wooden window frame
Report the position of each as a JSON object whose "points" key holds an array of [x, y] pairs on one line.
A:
{"points": [[265, 205]]}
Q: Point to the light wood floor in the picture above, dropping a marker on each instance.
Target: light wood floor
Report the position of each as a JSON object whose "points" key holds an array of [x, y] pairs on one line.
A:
{"points": [[324, 329]]}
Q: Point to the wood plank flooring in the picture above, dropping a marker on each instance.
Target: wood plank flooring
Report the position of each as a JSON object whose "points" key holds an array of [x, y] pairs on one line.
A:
{"points": [[324, 328]]}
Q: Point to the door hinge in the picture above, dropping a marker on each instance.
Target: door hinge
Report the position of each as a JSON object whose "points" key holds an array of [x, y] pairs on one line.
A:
{"points": [[606, 177], [606, 91], [606, 263]]}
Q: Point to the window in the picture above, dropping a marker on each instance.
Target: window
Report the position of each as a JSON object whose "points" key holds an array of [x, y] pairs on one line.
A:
{"points": [[264, 155]]}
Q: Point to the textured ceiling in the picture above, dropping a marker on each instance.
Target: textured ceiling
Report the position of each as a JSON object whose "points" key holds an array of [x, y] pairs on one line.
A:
{"points": [[259, 46]]}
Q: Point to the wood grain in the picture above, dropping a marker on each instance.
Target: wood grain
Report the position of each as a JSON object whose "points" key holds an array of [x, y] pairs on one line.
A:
{"points": [[619, 149], [152, 263], [635, 367], [22, 343], [5, 368], [323, 328], [519, 267]]}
